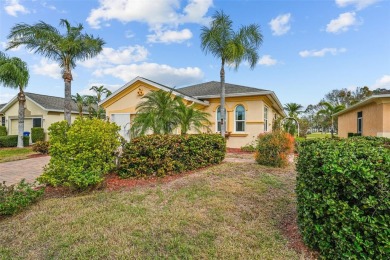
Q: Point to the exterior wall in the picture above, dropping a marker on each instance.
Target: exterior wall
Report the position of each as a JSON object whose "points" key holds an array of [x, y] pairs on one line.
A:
{"points": [[376, 120]]}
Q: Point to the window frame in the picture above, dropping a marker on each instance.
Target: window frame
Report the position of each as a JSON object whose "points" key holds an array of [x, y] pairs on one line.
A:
{"points": [[359, 120], [265, 115], [242, 120], [40, 118]]}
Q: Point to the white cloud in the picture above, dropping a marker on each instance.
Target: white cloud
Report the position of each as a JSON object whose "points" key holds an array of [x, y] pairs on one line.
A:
{"points": [[281, 24], [129, 34], [13, 7], [158, 72], [342, 23], [7, 95], [359, 4], [123, 55], [4, 45], [383, 82], [322, 52], [51, 7], [47, 68], [267, 60], [170, 36]]}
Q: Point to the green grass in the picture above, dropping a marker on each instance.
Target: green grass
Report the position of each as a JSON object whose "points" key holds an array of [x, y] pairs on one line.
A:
{"points": [[319, 135], [13, 154], [231, 211]]}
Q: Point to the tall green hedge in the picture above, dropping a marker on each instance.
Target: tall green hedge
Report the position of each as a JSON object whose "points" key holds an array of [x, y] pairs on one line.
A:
{"points": [[160, 155], [37, 134], [12, 141], [3, 130], [343, 192]]}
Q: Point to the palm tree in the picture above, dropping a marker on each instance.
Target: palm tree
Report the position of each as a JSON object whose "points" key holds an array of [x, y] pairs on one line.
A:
{"points": [[100, 113], [293, 109], [157, 113], [14, 74], [80, 102], [91, 102], [191, 118], [66, 49], [231, 47], [328, 111]]}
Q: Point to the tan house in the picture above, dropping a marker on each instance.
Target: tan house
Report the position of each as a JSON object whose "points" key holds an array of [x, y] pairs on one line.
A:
{"points": [[250, 111], [370, 117], [40, 111]]}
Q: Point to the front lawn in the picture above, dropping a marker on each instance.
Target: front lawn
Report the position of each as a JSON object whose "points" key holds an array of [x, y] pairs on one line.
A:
{"points": [[319, 135], [232, 210], [13, 154]]}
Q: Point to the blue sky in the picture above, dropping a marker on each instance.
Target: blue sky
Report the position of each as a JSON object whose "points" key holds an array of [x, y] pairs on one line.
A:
{"points": [[309, 47]]}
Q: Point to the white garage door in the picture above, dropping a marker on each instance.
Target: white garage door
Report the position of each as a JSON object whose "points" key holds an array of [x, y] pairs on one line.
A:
{"points": [[15, 125], [122, 120]]}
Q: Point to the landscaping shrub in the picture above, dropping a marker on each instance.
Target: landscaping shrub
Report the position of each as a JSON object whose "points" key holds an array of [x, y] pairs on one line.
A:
{"points": [[37, 134], [3, 130], [12, 141], [272, 149], [81, 153], [41, 147], [160, 155], [248, 148], [14, 198], [354, 134], [343, 189]]}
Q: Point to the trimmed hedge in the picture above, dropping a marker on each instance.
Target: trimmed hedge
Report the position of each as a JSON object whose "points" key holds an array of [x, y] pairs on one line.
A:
{"points": [[3, 130], [160, 155], [37, 134], [343, 189], [12, 141]]}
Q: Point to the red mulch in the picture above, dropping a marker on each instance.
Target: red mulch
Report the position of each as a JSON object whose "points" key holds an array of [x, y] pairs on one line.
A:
{"points": [[37, 155], [237, 150]]}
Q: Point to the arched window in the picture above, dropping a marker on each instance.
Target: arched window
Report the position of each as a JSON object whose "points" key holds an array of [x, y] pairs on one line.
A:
{"points": [[239, 116], [219, 119]]}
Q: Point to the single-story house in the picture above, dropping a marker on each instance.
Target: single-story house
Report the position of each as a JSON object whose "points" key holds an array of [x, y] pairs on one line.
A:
{"points": [[40, 111], [370, 117], [250, 111]]}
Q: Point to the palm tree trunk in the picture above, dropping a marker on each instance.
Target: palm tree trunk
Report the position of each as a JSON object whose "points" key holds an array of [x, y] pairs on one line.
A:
{"points": [[22, 100], [223, 114], [68, 96]]}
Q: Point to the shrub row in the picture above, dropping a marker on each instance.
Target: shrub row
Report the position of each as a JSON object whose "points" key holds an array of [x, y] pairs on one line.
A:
{"points": [[3, 130], [160, 155], [12, 141], [343, 189], [273, 148], [37, 134], [81, 153], [14, 198]]}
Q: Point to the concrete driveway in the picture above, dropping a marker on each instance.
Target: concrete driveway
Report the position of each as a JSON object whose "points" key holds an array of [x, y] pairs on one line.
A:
{"points": [[29, 169]]}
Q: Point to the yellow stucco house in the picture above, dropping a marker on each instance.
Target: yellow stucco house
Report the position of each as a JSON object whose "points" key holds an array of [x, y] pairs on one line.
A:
{"points": [[370, 117], [250, 111], [40, 111]]}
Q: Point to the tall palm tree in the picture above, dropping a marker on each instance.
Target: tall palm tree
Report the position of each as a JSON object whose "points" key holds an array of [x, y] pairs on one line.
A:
{"points": [[66, 49], [293, 109], [191, 118], [80, 102], [14, 74], [328, 111], [231, 47], [157, 113]]}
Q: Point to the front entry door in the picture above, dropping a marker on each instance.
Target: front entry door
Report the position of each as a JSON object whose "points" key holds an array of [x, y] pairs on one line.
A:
{"points": [[123, 121]]}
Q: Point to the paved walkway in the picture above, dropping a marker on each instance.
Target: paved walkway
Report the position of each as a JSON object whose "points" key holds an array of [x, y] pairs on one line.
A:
{"points": [[29, 169]]}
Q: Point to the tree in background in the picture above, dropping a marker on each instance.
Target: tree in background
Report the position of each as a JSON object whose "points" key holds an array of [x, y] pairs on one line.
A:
{"points": [[190, 118], [328, 110], [14, 74], [231, 47], [80, 103], [66, 49], [293, 110], [100, 91]]}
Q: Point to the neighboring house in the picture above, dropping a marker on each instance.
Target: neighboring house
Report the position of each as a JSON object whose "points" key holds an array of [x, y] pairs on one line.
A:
{"points": [[250, 111], [2, 117], [370, 117], [40, 111]]}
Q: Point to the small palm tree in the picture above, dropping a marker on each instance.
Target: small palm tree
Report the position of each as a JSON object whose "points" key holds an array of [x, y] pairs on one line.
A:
{"points": [[293, 109], [66, 49], [328, 111], [80, 102], [157, 113], [100, 113], [231, 47], [191, 118], [91, 102], [14, 74]]}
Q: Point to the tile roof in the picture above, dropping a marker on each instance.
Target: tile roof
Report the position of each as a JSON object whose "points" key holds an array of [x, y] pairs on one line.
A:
{"points": [[52, 103], [213, 88]]}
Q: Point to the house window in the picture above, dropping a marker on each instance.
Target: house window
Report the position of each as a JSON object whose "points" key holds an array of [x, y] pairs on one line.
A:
{"points": [[219, 119], [37, 122], [265, 119], [240, 118], [3, 120], [360, 122]]}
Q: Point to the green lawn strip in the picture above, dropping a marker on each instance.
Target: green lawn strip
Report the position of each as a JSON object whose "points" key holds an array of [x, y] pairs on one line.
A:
{"points": [[319, 135], [230, 211], [13, 154]]}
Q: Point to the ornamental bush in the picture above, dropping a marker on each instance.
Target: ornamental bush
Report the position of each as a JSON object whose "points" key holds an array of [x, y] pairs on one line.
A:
{"points": [[272, 149], [14, 198], [160, 155], [3, 130], [37, 134], [41, 147], [12, 141], [81, 154], [343, 189]]}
